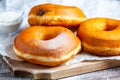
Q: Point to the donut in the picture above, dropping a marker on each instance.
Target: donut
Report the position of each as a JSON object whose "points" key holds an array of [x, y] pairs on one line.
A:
{"points": [[50, 46], [55, 15], [100, 36]]}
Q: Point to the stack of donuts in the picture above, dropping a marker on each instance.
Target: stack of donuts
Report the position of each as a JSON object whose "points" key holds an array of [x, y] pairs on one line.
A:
{"points": [[50, 39]]}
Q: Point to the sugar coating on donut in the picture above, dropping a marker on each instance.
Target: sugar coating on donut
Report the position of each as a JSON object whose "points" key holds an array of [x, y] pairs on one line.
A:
{"points": [[49, 46], [50, 59]]}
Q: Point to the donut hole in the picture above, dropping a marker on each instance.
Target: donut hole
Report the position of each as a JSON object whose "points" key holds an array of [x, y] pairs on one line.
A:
{"points": [[48, 35], [110, 27]]}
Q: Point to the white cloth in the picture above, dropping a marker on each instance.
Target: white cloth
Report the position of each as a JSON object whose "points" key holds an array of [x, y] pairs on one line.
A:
{"points": [[91, 8]]}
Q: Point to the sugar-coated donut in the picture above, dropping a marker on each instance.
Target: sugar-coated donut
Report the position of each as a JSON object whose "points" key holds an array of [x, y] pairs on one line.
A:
{"points": [[55, 15], [49, 46], [100, 36]]}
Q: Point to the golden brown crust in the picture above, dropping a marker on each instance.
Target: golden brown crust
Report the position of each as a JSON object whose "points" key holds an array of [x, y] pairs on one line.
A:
{"points": [[100, 36], [42, 62], [55, 15], [48, 43], [101, 51]]}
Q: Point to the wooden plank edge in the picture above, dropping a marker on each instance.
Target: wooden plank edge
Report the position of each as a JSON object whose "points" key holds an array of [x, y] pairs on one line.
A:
{"points": [[100, 65], [71, 71]]}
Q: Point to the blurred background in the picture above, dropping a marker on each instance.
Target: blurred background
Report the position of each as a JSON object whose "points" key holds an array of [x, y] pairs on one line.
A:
{"points": [[92, 8]]}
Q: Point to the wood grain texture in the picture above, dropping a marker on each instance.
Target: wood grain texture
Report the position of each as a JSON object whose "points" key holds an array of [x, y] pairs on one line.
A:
{"points": [[25, 69]]}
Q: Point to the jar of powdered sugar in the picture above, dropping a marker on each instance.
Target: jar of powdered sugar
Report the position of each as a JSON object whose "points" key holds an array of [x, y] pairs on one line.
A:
{"points": [[10, 21]]}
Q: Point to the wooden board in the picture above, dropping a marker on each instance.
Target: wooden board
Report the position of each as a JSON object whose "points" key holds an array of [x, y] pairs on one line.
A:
{"points": [[26, 69]]}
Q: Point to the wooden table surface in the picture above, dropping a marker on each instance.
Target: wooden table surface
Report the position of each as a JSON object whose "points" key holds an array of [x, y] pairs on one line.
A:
{"points": [[108, 74]]}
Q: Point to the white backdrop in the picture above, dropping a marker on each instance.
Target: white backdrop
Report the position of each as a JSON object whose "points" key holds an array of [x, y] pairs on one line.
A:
{"points": [[92, 8]]}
